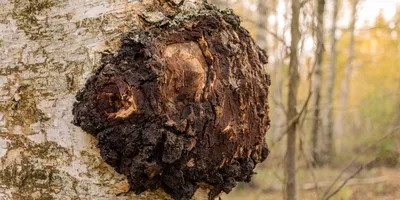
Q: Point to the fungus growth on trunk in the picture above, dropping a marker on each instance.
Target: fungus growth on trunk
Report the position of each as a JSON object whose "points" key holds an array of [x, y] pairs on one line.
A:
{"points": [[181, 105]]}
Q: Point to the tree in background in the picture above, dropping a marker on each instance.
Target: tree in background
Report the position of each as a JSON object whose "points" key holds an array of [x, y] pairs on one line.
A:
{"points": [[316, 84], [292, 103], [262, 22], [328, 121], [277, 52]]}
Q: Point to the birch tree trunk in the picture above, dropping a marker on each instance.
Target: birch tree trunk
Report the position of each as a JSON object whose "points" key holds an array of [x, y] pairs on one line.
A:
{"points": [[344, 94], [317, 81], [329, 139], [278, 110], [48, 49], [292, 103], [262, 21]]}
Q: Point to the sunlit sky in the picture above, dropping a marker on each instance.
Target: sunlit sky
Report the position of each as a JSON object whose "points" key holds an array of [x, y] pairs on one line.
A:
{"points": [[369, 9]]}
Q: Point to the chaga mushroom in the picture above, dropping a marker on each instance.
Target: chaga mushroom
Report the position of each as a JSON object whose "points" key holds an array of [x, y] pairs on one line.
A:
{"points": [[181, 105]]}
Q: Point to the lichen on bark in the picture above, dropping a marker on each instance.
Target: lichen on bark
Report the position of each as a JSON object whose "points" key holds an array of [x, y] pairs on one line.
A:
{"points": [[182, 103]]}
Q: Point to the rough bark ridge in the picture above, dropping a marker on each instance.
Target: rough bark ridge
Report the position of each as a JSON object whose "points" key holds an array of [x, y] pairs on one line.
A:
{"points": [[183, 103]]}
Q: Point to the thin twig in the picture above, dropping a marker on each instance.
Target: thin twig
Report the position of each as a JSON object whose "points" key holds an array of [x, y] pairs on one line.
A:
{"points": [[280, 104], [308, 162], [293, 120], [364, 181], [310, 167], [323, 184], [388, 134], [303, 111], [276, 36], [350, 177]]}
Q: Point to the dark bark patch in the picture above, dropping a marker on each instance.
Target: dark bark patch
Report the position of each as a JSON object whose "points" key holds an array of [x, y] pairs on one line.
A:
{"points": [[181, 105]]}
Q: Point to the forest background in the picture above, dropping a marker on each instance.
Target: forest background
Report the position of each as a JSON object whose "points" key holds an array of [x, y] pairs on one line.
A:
{"points": [[348, 102]]}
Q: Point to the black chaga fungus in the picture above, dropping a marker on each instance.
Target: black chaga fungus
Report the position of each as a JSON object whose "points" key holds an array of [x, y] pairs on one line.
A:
{"points": [[181, 105]]}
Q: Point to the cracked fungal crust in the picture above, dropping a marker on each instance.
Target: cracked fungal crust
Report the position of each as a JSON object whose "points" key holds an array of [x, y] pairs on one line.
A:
{"points": [[179, 106]]}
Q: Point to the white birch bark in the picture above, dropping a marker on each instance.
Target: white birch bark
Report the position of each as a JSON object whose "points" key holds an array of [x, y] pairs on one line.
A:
{"points": [[317, 84], [328, 122]]}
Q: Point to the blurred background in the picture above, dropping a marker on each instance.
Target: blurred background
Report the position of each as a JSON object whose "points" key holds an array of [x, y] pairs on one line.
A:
{"points": [[348, 101]]}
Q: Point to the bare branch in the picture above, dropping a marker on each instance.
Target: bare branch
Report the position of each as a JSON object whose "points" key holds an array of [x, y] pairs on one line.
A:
{"points": [[322, 184], [387, 135], [280, 39], [293, 120], [350, 177], [279, 104], [310, 167]]}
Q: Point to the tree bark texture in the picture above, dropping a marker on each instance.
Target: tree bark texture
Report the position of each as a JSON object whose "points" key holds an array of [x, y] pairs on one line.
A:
{"points": [[317, 82], [292, 103], [330, 83], [51, 48], [175, 94]]}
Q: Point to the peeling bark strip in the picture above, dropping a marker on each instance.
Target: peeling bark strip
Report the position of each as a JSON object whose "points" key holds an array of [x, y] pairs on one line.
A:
{"points": [[181, 104]]}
